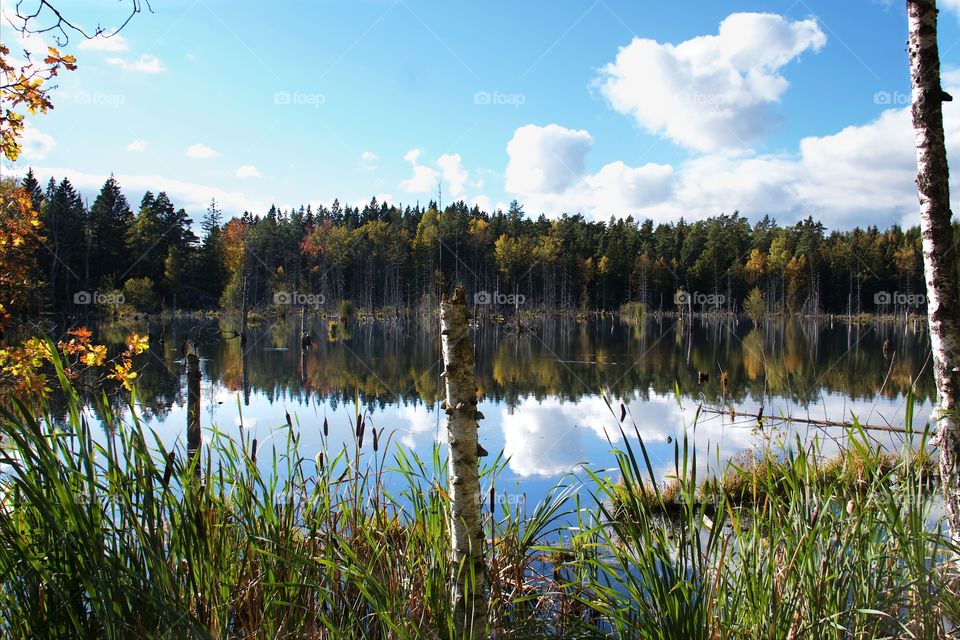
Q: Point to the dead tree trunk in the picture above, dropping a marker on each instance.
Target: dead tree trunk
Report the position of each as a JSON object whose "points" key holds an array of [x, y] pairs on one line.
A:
{"points": [[193, 409], [939, 255], [469, 589]]}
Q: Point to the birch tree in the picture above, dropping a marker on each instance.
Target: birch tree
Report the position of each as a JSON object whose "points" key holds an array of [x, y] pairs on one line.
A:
{"points": [[939, 251], [469, 597]]}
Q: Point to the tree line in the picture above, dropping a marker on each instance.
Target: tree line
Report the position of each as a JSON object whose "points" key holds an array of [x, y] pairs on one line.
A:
{"points": [[382, 255]]}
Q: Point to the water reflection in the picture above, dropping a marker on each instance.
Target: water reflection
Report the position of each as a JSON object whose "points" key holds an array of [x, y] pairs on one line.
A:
{"points": [[541, 387]]}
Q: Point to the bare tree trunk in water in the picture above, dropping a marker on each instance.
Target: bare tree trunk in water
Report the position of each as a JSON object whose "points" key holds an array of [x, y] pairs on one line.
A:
{"points": [[469, 592], [939, 253], [193, 406]]}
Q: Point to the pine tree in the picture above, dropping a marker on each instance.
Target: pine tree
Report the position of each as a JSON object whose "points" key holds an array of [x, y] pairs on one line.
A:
{"points": [[110, 217]]}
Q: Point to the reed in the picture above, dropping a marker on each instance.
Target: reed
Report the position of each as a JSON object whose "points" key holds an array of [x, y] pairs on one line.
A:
{"points": [[110, 535]]}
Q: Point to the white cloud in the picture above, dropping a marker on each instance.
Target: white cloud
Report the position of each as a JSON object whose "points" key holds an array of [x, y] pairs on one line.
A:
{"points": [[35, 144], [192, 196], [424, 178], [710, 92], [546, 160], [144, 64], [451, 167], [200, 150], [951, 5], [101, 43], [547, 171], [861, 175], [137, 146], [550, 437], [248, 171], [483, 202], [368, 161]]}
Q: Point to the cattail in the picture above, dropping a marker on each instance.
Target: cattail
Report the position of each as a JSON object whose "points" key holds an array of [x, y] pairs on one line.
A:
{"points": [[168, 469], [851, 507], [361, 427], [326, 428], [319, 462], [376, 440], [289, 421], [493, 494], [253, 451]]}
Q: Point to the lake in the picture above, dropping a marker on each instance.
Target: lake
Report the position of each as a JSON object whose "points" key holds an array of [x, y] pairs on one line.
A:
{"points": [[541, 387]]}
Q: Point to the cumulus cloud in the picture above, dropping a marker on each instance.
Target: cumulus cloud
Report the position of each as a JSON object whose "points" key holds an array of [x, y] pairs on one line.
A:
{"points": [[451, 168], [114, 43], [137, 146], [200, 150], [144, 64], [35, 144], [248, 171], [711, 92], [546, 160], [861, 175], [547, 171], [192, 196], [424, 178], [483, 202]]}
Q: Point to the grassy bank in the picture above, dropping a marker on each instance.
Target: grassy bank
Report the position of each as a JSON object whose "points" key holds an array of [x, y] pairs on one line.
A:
{"points": [[111, 536]]}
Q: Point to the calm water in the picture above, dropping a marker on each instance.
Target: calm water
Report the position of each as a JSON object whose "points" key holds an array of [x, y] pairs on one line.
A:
{"points": [[541, 388]]}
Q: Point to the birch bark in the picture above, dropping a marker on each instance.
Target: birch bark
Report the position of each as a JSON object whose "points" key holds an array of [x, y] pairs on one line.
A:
{"points": [[469, 591], [939, 251]]}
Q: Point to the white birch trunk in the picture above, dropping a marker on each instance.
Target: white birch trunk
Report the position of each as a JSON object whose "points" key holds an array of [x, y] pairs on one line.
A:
{"points": [[939, 253], [469, 591]]}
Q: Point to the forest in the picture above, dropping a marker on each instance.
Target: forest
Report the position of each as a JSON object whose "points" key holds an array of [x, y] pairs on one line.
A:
{"points": [[155, 257]]}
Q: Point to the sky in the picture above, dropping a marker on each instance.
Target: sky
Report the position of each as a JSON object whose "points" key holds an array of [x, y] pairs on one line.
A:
{"points": [[606, 108]]}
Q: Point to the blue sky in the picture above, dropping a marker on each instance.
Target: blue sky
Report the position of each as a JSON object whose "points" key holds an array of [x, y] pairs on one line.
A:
{"points": [[606, 108]]}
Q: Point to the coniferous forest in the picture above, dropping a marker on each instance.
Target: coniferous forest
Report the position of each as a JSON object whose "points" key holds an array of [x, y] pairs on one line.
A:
{"points": [[155, 256]]}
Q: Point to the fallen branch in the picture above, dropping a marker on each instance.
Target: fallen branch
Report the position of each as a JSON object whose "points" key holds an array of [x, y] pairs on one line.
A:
{"points": [[733, 412]]}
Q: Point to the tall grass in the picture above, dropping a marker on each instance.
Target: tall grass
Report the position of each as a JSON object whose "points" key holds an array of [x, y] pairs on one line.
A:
{"points": [[115, 537], [815, 554]]}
